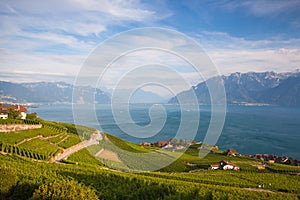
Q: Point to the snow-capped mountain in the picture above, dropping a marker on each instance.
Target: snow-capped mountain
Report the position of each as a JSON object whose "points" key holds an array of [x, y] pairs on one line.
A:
{"points": [[252, 87]]}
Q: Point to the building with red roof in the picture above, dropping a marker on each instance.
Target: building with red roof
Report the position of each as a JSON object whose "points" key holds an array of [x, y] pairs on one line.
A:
{"points": [[4, 110]]}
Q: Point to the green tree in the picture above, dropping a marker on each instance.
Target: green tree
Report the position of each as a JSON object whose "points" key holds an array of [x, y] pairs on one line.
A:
{"points": [[14, 114], [32, 116], [67, 190]]}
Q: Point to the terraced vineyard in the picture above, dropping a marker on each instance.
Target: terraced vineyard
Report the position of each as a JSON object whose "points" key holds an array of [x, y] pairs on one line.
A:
{"points": [[43, 143], [109, 174]]}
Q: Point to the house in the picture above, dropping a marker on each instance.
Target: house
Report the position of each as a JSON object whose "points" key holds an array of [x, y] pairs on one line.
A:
{"points": [[4, 110], [232, 152], [179, 147], [145, 144], [258, 156], [265, 156], [162, 143], [214, 166], [228, 166], [168, 146]]}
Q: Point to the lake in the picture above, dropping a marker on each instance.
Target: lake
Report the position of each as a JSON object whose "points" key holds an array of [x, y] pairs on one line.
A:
{"points": [[248, 129]]}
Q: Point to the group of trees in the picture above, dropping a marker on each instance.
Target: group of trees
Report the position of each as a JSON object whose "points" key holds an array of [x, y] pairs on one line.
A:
{"points": [[16, 114]]}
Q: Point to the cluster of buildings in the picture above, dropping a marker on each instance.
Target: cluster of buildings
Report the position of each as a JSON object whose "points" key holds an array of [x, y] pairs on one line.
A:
{"points": [[4, 111], [171, 145], [271, 158]]}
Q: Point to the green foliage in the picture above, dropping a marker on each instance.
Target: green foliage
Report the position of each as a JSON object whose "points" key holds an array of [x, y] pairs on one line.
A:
{"points": [[281, 168], [30, 153], [70, 141], [83, 157], [32, 116], [18, 121], [127, 146], [117, 185], [40, 146], [70, 190], [8, 179], [14, 114]]}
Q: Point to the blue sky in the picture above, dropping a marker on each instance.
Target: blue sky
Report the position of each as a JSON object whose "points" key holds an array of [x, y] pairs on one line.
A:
{"points": [[49, 40]]}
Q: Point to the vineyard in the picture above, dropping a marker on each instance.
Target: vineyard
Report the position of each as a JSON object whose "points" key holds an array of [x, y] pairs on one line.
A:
{"points": [[156, 185], [43, 143], [104, 178]]}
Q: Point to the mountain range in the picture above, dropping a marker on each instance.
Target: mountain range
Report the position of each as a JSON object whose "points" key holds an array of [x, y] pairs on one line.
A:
{"points": [[48, 92], [251, 88], [241, 88]]}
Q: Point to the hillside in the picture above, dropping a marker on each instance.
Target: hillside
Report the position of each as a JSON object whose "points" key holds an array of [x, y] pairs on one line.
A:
{"points": [[260, 88], [111, 173]]}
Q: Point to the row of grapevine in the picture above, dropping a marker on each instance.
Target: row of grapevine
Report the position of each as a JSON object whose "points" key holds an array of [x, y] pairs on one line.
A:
{"points": [[12, 149], [54, 128], [18, 121]]}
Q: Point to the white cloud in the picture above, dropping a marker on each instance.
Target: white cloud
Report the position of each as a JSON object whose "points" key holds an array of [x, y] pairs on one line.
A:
{"points": [[55, 36], [18, 67], [279, 60], [261, 7], [232, 54]]}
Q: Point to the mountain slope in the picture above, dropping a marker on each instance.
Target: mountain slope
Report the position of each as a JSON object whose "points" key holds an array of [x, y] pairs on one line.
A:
{"points": [[266, 87], [287, 93], [48, 92]]}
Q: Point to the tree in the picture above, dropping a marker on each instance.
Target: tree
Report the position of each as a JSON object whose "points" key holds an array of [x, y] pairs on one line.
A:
{"points": [[14, 114], [32, 116]]}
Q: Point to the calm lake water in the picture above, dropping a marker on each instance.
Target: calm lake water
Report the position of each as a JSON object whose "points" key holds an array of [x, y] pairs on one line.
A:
{"points": [[248, 129]]}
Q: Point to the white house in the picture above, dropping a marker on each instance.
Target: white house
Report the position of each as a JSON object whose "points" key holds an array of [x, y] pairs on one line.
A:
{"points": [[214, 166], [228, 166], [4, 110]]}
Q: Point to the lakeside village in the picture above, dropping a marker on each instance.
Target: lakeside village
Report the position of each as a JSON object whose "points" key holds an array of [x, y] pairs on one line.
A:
{"points": [[20, 112], [179, 145]]}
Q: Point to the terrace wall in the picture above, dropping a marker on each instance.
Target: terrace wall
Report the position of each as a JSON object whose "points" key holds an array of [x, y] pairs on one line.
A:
{"points": [[18, 127]]}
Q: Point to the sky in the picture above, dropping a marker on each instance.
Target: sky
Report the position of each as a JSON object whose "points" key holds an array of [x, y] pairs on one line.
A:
{"points": [[50, 40]]}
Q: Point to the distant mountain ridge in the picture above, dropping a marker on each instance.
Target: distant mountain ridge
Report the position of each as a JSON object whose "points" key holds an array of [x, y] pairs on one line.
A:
{"points": [[48, 92], [241, 88], [252, 88]]}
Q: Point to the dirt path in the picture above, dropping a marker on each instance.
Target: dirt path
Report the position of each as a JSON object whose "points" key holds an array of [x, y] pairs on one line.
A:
{"points": [[66, 137], [259, 189], [40, 137], [95, 138]]}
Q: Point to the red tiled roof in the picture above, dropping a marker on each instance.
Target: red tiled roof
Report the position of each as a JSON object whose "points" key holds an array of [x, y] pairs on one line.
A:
{"points": [[5, 109]]}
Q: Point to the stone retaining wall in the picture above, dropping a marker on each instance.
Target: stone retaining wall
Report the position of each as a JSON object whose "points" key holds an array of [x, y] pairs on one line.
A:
{"points": [[18, 127]]}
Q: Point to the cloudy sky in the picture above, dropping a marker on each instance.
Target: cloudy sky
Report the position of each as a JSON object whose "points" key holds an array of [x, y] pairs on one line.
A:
{"points": [[49, 40]]}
